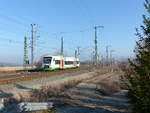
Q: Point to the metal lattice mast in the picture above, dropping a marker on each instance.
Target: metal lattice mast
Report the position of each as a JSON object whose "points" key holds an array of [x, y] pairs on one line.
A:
{"points": [[62, 47], [96, 47], [32, 44], [107, 54], [25, 52]]}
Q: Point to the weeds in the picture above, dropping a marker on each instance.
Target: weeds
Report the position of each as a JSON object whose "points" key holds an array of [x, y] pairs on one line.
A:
{"points": [[46, 92]]}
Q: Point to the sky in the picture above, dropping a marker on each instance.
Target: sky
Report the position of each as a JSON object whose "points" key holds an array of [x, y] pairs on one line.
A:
{"points": [[74, 20]]}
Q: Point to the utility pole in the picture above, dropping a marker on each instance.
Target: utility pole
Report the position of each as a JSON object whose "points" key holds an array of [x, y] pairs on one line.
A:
{"points": [[32, 44], [107, 54], [25, 61], [78, 51], [111, 56], [75, 54], [62, 47], [96, 47], [111, 60], [92, 57], [102, 60]]}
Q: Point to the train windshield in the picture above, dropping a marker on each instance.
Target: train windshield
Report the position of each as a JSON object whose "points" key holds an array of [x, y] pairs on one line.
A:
{"points": [[47, 60]]}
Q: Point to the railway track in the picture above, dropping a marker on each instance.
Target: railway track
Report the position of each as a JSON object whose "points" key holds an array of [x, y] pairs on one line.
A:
{"points": [[25, 76]]}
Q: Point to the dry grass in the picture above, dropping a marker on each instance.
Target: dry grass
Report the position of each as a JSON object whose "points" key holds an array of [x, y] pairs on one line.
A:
{"points": [[46, 92], [13, 68], [57, 88], [109, 84], [54, 88]]}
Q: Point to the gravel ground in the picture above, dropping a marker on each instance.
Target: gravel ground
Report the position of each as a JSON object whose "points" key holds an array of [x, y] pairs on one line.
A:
{"points": [[21, 87], [87, 97], [115, 103]]}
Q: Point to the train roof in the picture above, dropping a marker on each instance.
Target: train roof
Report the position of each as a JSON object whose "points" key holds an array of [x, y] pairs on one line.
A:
{"points": [[59, 56]]}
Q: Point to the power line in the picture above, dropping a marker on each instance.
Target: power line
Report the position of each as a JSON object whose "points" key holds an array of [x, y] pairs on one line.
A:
{"points": [[10, 40], [32, 37], [83, 12], [13, 20], [6, 28]]}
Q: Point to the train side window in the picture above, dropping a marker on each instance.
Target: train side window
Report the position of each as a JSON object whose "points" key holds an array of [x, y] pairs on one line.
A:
{"points": [[68, 62], [57, 61]]}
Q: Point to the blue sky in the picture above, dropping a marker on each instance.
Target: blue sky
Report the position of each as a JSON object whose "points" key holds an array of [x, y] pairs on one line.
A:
{"points": [[72, 19]]}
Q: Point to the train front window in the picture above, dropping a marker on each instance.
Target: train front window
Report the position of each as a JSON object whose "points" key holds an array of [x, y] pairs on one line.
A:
{"points": [[47, 60]]}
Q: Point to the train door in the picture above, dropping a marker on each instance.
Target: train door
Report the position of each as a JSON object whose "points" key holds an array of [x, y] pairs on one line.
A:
{"points": [[75, 63], [62, 64]]}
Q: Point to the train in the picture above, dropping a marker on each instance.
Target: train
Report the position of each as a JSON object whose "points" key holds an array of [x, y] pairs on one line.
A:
{"points": [[51, 63]]}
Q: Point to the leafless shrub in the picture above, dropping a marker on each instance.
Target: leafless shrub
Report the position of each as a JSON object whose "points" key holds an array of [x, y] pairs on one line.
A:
{"points": [[10, 100], [109, 87], [13, 100], [125, 84], [46, 92]]}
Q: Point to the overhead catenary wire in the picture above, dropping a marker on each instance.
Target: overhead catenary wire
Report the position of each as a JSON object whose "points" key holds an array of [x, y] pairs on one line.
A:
{"points": [[83, 10], [48, 34], [10, 40], [17, 21], [13, 20]]}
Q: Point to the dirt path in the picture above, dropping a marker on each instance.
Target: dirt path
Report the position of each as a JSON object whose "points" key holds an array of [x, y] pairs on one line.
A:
{"points": [[88, 97]]}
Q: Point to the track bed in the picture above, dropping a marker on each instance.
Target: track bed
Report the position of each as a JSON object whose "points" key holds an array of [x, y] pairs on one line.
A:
{"points": [[22, 76]]}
